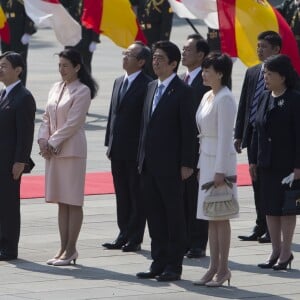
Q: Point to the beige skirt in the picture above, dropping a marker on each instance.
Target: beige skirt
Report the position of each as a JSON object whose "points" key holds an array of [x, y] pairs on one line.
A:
{"points": [[64, 180]]}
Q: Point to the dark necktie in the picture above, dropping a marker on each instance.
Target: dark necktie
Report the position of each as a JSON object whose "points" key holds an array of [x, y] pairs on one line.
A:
{"points": [[123, 90], [260, 86], [186, 78], [157, 96], [2, 95]]}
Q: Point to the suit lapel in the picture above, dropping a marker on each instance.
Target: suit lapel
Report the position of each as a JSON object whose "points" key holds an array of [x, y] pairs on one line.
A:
{"points": [[115, 95], [167, 93], [10, 97]]}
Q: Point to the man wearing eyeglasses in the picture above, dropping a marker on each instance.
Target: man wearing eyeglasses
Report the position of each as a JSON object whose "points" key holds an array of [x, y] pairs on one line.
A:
{"points": [[122, 138]]}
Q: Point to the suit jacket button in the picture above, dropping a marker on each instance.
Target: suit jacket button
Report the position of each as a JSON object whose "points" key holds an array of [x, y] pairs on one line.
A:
{"points": [[269, 139]]}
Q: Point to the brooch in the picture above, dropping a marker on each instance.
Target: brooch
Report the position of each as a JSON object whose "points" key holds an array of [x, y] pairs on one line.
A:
{"points": [[281, 102], [170, 92]]}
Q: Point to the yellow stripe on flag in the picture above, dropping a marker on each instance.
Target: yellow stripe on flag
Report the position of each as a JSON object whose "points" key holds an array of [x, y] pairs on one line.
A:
{"points": [[2, 18], [119, 22], [247, 11]]}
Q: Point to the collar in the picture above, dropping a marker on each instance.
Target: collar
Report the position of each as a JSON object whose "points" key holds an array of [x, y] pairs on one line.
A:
{"points": [[193, 74], [167, 81], [11, 86], [131, 77]]}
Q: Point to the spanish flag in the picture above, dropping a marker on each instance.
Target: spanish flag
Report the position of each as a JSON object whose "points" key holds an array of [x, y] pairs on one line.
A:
{"points": [[241, 21], [4, 30], [113, 18]]}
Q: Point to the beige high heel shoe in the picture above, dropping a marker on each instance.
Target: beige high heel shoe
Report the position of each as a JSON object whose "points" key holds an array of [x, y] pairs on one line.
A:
{"points": [[51, 260], [67, 261], [203, 280], [215, 283]]}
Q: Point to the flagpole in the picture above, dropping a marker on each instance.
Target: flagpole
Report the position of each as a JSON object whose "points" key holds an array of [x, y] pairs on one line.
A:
{"points": [[192, 25]]}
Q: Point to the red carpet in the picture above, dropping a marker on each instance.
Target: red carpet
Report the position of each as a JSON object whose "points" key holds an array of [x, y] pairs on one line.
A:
{"points": [[98, 183]]}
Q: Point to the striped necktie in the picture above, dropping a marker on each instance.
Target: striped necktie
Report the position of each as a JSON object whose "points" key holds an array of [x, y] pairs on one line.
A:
{"points": [[260, 86], [3, 94]]}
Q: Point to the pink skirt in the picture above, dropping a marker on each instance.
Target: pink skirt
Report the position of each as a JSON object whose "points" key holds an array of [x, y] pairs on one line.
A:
{"points": [[64, 180]]}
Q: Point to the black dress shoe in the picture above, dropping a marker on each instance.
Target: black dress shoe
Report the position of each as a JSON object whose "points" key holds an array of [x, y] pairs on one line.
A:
{"points": [[252, 237], [168, 276], [7, 257], [147, 274], [196, 253], [269, 264], [117, 244], [264, 238], [284, 265], [131, 247]]}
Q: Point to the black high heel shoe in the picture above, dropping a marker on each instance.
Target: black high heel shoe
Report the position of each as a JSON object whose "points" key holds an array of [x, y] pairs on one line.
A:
{"points": [[268, 264], [283, 265]]}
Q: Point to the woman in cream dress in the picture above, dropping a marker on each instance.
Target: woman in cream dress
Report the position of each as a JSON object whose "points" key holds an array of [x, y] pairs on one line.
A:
{"points": [[215, 120], [63, 144]]}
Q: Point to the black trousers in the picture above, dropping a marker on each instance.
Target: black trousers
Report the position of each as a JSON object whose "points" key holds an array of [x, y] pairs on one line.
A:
{"points": [[197, 230], [10, 218], [130, 212], [164, 207], [261, 223]]}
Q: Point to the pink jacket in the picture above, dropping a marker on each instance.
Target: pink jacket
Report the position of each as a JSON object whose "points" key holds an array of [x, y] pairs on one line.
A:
{"points": [[63, 120]]}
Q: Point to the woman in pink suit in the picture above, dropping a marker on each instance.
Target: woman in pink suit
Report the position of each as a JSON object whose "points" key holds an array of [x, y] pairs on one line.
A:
{"points": [[63, 144]]}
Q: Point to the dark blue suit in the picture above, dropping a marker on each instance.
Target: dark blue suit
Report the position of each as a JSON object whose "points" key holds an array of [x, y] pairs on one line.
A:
{"points": [[122, 139], [17, 113], [167, 143], [197, 230], [244, 131]]}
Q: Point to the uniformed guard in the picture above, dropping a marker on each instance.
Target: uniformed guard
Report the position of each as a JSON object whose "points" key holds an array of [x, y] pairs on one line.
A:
{"points": [[21, 28], [89, 38], [213, 39], [290, 10], [287, 9], [155, 18]]}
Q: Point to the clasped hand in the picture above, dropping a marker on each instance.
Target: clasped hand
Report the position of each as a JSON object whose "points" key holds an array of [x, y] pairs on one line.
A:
{"points": [[45, 150]]}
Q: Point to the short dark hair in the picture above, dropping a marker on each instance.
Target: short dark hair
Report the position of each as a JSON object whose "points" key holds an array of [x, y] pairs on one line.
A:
{"points": [[171, 50], [221, 63], [201, 43], [15, 59], [272, 37], [83, 75], [282, 65], [145, 52]]}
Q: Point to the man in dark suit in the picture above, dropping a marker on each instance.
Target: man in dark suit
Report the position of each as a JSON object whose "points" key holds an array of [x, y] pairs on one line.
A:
{"points": [[17, 112], [166, 159], [89, 38], [122, 139], [155, 18], [21, 28], [269, 43], [194, 51]]}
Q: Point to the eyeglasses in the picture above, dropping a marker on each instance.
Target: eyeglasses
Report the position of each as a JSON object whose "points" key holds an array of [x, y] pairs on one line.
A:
{"points": [[129, 54]]}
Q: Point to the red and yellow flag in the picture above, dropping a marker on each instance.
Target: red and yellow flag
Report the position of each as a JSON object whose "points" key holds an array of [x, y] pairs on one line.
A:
{"points": [[241, 21], [113, 18], [4, 30]]}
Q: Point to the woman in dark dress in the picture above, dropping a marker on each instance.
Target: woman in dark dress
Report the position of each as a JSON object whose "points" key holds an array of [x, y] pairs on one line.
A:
{"points": [[276, 143]]}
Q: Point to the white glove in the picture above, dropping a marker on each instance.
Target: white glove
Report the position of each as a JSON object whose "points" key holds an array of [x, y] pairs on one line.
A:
{"points": [[92, 46], [25, 38], [288, 180]]}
